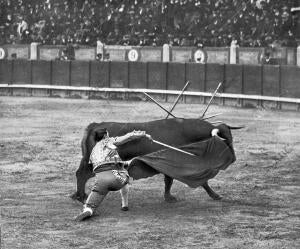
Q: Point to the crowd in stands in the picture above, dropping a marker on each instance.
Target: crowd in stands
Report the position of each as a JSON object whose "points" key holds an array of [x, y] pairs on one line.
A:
{"points": [[150, 23]]}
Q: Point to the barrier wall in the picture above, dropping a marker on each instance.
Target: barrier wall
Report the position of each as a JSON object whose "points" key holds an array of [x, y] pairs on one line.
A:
{"points": [[157, 77], [49, 52], [280, 81], [61, 74], [118, 74], [85, 53], [214, 75], [271, 80], [41, 72], [175, 76], [80, 73], [21, 72], [151, 54], [6, 71], [99, 76], [181, 54], [116, 53], [252, 80], [221, 55], [195, 73], [19, 51], [218, 55], [249, 55], [290, 81], [233, 79], [291, 56], [137, 75]]}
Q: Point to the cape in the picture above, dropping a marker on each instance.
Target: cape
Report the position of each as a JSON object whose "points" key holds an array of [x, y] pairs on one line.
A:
{"points": [[211, 156]]}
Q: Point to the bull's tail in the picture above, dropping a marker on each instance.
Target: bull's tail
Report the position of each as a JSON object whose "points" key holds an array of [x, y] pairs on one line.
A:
{"points": [[88, 142], [84, 142], [85, 170]]}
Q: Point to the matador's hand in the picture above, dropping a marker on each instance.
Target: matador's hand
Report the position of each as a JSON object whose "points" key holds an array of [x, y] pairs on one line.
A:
{"points": [[138, 134], [142, 134], [149, 137]]}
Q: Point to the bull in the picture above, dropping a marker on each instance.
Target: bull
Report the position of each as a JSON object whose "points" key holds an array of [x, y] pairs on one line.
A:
{"points": [[175, 132]]}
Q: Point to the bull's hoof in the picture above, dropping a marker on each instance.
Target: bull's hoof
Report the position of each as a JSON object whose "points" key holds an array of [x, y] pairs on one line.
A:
{"points": [[170, 198], [216, 197], [124, 208], [77, 197], [74, 196]]}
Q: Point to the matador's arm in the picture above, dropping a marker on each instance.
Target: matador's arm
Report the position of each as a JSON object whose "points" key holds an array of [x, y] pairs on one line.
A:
{"points": [[129, 137]]}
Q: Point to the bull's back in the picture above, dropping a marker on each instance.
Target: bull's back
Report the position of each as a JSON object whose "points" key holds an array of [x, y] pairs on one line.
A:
{"points": [[174, 132]]}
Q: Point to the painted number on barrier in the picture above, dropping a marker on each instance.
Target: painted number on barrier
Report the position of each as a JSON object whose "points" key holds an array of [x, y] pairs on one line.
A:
{"points": [[133, 55], [2, 53], [199, 56]]}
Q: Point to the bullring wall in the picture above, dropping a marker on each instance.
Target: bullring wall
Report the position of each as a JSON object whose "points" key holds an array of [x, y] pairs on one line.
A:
{"points": [[277, 81], [221, 55]]}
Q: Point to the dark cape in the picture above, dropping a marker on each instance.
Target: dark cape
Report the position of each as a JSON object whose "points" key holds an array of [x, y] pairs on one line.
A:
{"points": [[211, 156]]}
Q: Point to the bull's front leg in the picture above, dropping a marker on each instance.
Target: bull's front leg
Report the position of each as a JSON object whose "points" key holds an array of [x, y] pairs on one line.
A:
{"points": [[124, 196], [83, 173], [210, 192], [168, 185]]}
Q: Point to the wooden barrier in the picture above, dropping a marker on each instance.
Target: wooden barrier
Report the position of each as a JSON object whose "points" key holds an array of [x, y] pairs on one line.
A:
{"points": [[41, 72], [252, 80], [214, 75], [80, 73], [137, 74], [290, 81], [262, 83], [175, 76], [157, 75], [61, 74], [6, 71], [233, 79], [99, 76], [118, 74], [195, 73], [21, 72], [271, 80]]}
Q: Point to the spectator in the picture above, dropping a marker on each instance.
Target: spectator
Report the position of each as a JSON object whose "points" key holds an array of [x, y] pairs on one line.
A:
{"points": [[266, 58], [132, 22]]}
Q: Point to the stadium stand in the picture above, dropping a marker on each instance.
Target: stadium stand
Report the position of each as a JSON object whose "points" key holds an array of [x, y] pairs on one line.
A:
{"points": [[253, 23]]}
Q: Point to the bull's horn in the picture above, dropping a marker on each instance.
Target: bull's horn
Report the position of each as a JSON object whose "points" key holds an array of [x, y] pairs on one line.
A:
{"points": [[217, 122], [214, 133], [236, 127]]}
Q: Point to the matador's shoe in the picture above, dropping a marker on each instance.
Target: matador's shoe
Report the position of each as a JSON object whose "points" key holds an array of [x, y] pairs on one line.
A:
{"points": [[85, 214]]}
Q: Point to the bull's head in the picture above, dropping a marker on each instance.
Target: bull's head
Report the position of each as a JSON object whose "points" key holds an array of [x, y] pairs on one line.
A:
{"points": [[223, 131]]}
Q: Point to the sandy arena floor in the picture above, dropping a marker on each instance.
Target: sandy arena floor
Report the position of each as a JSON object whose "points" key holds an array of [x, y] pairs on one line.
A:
{"points": [[40, 152]]}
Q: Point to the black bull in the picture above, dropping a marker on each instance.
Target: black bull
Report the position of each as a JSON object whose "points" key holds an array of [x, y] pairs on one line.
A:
{"points": [[175, 132]]}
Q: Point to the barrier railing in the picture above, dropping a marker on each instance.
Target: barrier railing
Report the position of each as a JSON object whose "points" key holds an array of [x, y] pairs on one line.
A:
{"points": [[153, 91], [240, 82]]}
